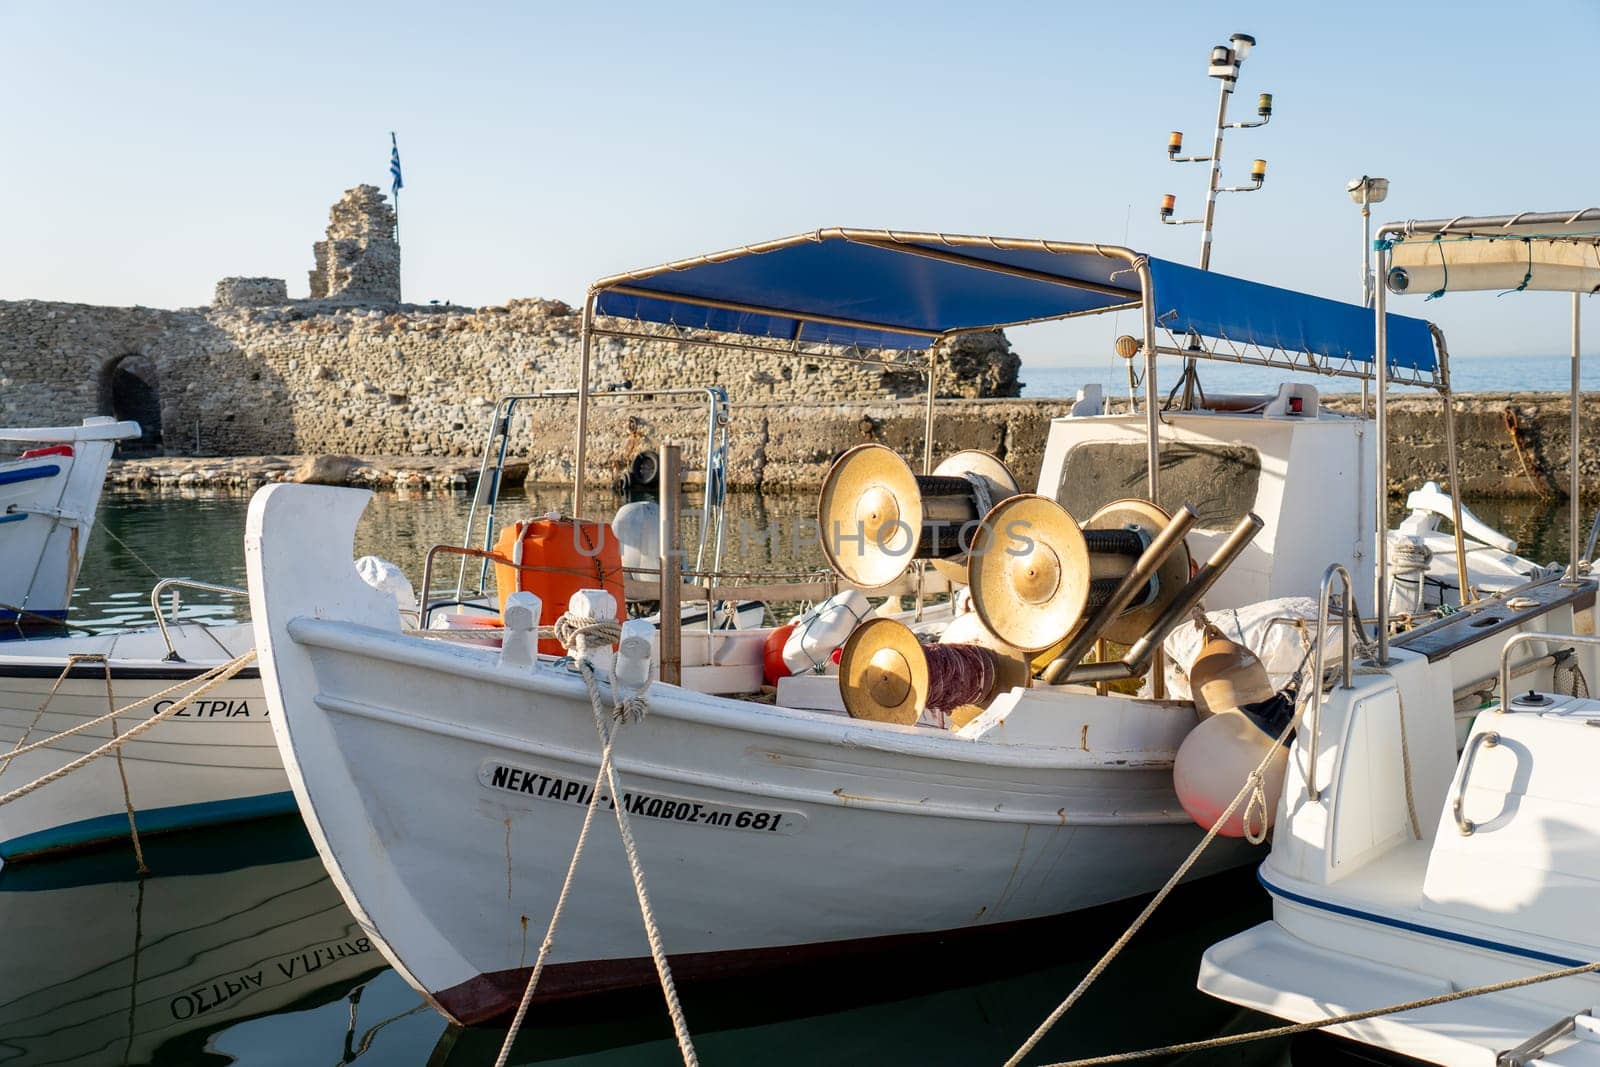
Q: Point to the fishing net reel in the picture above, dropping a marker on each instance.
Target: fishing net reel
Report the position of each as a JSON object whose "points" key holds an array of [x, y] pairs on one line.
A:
{"points": [[876, 515]]}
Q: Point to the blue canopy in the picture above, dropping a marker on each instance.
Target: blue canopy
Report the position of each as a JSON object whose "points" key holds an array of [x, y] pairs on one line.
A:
{"points": [[882, 289]]}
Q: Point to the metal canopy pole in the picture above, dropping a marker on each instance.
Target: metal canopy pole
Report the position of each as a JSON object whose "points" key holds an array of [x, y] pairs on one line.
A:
{"points": [[670, 629], [1573, 430], [1152, 412], [1381, 491], [1452, 463], [581, 453]]}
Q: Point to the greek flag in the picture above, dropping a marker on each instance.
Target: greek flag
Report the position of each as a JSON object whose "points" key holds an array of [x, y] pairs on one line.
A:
{"points": [[394, 166]]}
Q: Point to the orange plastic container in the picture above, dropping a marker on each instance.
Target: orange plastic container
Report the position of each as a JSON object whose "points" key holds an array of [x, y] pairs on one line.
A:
{"points": [[557, 557]]}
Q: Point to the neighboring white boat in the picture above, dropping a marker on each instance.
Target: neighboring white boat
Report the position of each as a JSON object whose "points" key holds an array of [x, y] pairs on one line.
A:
{"points": [[214, 761], [445, 787], [1423, 558], [1440, 826], [48, 497], [104, 968]]}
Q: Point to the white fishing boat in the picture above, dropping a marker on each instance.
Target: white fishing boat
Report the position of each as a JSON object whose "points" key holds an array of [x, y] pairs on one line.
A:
{"points": [[213, 761], [1439, 830], [48, 496], [776, 832]]}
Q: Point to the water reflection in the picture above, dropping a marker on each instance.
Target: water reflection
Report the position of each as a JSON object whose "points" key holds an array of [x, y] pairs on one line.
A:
{"points": [[238, 949], [103, 967]]}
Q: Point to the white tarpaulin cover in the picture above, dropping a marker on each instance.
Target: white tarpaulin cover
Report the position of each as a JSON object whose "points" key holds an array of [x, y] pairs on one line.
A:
{"points": [[1551, 251], [1422, 266], [1281, 646]]}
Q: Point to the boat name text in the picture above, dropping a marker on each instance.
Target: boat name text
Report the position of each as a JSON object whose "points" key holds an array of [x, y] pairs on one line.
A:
{"points": [[527, 782]]}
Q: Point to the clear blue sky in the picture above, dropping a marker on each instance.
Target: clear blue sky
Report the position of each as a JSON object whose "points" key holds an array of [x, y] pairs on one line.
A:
{"points": [[151, 149]]}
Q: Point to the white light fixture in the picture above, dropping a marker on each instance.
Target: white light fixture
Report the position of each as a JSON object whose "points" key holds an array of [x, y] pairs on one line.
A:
{"points": [[1242, 43], [1367, 189]]}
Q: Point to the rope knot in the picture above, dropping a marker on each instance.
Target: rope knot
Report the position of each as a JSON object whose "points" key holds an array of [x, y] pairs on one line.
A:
{"points": [[583, 635]]}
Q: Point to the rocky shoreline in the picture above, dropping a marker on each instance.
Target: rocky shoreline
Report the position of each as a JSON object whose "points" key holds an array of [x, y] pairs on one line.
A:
{"points": [[391, 473], [1512, 445]]}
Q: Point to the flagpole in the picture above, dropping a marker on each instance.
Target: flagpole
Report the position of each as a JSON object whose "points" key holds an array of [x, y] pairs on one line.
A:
{"points": [[397, 184]]}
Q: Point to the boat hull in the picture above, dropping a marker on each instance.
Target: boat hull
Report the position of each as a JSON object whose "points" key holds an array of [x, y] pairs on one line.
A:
{"points": [[212, 762]]}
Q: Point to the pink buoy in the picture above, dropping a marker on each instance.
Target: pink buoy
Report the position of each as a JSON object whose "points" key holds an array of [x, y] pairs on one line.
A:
{"points": [[1213, 764]]}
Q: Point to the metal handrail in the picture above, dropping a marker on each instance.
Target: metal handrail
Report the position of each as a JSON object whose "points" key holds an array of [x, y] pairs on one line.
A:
{"points": [[1351, 612], [1487, 739], [187, 583], [1523, 638], [498, 442]]}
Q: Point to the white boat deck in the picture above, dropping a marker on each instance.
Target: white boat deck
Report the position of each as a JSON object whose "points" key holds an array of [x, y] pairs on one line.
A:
{"points": [[1296, 980]]}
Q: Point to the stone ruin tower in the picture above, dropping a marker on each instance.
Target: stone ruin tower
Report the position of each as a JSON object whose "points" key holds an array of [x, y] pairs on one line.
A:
{"points": [[359, 261]]}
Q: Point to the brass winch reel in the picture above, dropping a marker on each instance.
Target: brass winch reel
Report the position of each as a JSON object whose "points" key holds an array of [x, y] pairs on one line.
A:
{"points": [[887, 674], [876, 515], [1035, 574]]}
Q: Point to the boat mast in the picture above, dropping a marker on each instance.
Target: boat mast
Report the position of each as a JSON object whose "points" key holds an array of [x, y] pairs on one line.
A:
{"points": [[1226, 59]]}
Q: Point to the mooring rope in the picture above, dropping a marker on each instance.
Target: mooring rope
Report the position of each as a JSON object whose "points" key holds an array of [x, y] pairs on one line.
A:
{"points": [[72, 661], [583, 635], [108, 716], [210, 680], [1253, 784], [1253, 789], [1336, 1020], [122, 773]]}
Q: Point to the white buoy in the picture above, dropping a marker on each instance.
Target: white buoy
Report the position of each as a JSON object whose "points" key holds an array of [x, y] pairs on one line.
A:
{"points": [[388, 578], [637, 527], [819, 632], [1213, 764]]}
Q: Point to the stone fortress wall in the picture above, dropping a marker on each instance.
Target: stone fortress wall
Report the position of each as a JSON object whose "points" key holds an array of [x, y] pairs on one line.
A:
{"points": [[354, 370]]}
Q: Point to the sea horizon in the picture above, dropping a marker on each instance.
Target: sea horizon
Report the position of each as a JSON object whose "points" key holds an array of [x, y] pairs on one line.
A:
{"points": [[1469, 374]]}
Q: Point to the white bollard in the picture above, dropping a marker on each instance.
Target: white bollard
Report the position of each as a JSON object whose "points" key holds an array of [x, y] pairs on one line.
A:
{"points": [[634, 654], [601, 606], [519, 647]]}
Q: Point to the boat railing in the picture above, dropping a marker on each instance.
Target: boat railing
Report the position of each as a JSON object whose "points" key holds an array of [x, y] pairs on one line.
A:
{"points": [[1526, 637], [498, 440], [175, 584], [712, 587], [1350, 612]]}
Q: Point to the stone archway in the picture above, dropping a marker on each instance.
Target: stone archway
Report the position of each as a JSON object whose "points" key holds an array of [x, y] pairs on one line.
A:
{"points": [[130, 389]]}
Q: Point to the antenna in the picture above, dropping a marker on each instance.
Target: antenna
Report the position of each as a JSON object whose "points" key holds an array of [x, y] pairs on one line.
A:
{"points": [[1226, 59]]}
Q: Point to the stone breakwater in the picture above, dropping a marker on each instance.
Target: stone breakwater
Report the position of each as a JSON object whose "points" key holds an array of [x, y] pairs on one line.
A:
{"points": [[322, 377], [784, 448]]}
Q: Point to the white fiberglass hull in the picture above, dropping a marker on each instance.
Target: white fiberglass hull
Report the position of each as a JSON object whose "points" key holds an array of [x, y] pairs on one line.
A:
{"points": [[445, 793], [214, 761]]}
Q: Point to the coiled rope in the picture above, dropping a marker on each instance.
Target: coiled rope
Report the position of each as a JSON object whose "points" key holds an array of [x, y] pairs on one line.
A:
{"points": [[583, 635]]}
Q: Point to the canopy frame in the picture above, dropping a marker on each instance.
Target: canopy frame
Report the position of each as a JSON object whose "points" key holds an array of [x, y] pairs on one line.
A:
{"points": [[1553, 227], [965, 252]]}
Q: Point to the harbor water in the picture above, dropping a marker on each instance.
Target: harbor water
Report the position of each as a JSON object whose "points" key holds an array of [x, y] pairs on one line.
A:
{"points": [[237, 949]]}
